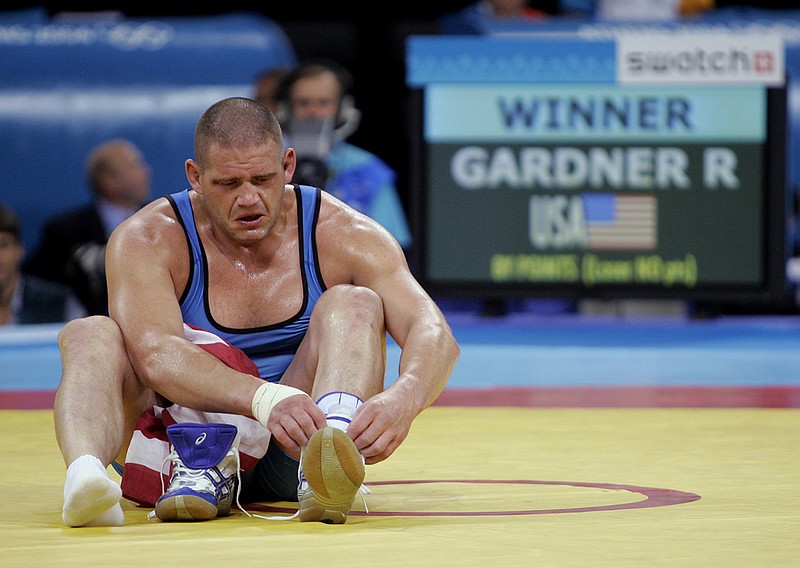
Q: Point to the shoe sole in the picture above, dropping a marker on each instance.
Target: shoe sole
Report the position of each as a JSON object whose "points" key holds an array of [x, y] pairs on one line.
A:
{"points": [[334, 470], [185, 508]]}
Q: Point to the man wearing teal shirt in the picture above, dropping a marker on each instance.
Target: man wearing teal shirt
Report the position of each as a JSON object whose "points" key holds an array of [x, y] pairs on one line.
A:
{"points": [[317, 114]]}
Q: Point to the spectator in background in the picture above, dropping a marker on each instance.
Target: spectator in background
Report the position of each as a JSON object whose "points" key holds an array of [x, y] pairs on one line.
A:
{"points": [[317, 114], [471, 19], [621, 10], [27, 299], [266, 85], [72, 244]]}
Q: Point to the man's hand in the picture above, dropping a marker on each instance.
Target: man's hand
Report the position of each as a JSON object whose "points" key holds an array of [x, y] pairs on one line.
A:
{"points": [[293, 421], [380, 426]]}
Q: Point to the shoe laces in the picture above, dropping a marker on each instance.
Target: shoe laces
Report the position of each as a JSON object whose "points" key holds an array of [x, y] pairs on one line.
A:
{"points": [[183, 476]]}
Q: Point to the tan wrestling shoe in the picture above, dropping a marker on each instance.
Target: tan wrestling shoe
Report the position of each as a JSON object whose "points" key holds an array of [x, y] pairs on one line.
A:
{"points": [[331, 474]]}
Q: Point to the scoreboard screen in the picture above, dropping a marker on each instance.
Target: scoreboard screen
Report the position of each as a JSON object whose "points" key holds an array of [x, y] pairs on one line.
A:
{"points": [[540, 172]]}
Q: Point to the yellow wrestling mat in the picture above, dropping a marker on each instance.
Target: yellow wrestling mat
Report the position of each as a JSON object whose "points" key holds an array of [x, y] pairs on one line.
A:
{"points": [[472, 487]]}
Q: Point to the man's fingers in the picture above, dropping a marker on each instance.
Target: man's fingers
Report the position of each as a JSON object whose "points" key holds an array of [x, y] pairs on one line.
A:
{"points": [[294, 421], [283, 439]]}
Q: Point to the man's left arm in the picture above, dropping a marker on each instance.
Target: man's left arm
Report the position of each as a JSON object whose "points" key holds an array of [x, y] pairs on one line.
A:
{"points": [[429, 354]]}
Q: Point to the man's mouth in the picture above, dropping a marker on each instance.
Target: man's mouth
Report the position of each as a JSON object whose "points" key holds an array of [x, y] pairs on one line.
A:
{"points": [[254, 218]]}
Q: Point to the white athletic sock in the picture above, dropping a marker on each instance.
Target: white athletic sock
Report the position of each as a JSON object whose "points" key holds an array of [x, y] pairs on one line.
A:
{"points": [[90, 496], [339, 408], [113, 517]]}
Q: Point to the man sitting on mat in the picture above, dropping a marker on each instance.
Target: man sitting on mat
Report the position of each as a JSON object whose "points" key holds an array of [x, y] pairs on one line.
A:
{"points": [[302, 284]]}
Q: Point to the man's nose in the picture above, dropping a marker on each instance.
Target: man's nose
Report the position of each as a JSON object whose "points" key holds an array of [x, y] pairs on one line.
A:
{"points": [[249, 194]]}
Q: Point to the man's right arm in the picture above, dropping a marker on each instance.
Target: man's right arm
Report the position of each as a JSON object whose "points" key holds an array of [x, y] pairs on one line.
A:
{"points": [[147, 261]]}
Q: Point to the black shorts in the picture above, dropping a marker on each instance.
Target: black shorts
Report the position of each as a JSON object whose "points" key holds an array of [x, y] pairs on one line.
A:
{"points": [[273, 479]]}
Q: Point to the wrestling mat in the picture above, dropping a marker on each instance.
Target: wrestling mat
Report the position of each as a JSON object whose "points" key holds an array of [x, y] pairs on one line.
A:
{"points": [[472, 486]]}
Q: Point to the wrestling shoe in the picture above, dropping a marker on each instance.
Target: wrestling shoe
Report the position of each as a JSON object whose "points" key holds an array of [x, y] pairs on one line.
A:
{"points": [[331, 473], [205, 470]]}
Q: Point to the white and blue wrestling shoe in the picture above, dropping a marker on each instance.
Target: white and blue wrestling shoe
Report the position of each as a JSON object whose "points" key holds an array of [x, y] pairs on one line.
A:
{"points": [[205, 471]]}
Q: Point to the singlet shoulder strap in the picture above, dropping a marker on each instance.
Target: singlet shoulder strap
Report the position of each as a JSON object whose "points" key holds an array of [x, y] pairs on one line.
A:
{"points": [[182, 206], [311, 199]]}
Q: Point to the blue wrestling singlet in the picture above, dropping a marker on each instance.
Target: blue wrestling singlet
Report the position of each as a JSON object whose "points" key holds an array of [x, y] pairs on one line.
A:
{"points": [[270, 347]]}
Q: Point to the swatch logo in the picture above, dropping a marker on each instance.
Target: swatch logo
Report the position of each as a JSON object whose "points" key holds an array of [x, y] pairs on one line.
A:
{"points": [[701, 62], [700, 59]]}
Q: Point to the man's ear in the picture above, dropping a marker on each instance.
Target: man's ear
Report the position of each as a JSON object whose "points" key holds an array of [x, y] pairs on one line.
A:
{"points": [[193, 175], [289, 164]]}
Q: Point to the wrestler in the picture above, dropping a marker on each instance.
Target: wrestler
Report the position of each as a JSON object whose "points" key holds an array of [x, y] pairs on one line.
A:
{"points": [[303, 284]]}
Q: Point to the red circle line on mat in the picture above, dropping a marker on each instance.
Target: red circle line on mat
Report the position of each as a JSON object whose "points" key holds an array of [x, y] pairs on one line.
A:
{"points": [[654, 497]]}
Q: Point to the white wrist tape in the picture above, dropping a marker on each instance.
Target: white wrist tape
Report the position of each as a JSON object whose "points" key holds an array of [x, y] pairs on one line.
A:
{"points": [[267, 396]]}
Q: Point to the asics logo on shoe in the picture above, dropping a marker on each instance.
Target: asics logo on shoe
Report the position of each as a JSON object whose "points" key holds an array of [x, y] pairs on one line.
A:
{"points": [[200, 439]]}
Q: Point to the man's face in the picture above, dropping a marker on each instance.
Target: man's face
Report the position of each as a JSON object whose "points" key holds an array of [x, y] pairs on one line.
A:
{"points": [[129, 182], [243, 188], [315, 97]]}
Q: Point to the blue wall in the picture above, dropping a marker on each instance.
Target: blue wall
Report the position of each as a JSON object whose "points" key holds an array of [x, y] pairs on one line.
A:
{"points": [[68, 85]]}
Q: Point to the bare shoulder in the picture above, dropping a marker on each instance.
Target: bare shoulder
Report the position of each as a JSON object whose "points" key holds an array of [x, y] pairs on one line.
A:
{"points": [[350, 243], [354, 249], [340, 222], [151, 238], [154, 224]]}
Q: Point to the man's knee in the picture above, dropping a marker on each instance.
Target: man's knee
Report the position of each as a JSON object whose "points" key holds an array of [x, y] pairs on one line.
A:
{"points": [[91, 328], [346, 302], [96, 341]]}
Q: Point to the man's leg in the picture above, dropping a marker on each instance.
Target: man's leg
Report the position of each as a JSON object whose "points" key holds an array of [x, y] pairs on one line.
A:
{"points": [[342, 362], [345, 347], [97, 404]]}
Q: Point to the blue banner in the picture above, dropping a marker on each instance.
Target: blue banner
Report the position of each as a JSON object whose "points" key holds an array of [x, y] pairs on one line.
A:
{"points": [[457, 59], [213, 50]]}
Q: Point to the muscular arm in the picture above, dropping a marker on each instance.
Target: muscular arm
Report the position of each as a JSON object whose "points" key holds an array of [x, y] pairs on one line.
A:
{"points": [[147, 262], [429, 350], [429, 353]]}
